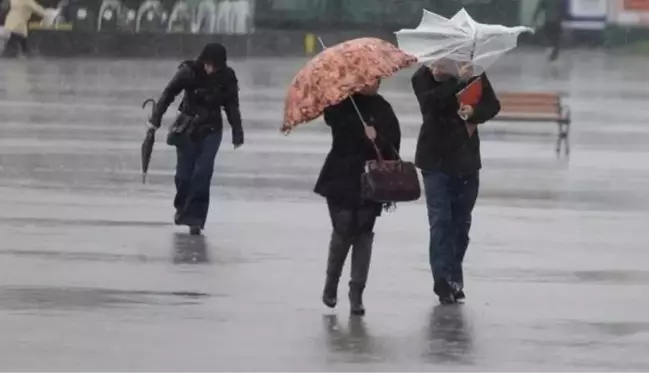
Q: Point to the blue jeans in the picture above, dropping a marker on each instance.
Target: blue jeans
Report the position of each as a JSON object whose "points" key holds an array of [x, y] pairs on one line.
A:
{"points": [[194, 169], [450, 201]]}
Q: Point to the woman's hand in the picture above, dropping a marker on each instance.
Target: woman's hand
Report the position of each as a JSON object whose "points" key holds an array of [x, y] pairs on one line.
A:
{"points": [[370, 132], [151, 126], [465, 112]]}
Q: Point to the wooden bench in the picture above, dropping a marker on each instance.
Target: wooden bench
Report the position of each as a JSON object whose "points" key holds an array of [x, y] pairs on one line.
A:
{"points": [[537, 107]]}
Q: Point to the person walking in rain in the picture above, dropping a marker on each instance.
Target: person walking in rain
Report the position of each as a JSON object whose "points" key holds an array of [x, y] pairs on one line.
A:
{"points": [[448, 154], [209, 86], [16, 23], [553, 12], [352, 218]]}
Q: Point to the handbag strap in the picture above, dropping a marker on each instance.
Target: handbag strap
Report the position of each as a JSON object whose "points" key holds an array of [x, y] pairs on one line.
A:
{"points": [[376, 148], [379, 157]]}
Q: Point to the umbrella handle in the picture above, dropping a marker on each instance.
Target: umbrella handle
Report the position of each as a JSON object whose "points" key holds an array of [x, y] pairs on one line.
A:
{"points": [[152, 101]]}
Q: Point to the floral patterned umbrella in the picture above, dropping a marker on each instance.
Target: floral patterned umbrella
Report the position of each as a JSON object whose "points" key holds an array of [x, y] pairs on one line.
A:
{"points": [[337, 73]]}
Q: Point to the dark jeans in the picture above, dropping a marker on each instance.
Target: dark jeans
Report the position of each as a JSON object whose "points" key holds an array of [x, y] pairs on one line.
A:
{"points": [[16, 44], [450, 201], [553, 31], [194, 169]]}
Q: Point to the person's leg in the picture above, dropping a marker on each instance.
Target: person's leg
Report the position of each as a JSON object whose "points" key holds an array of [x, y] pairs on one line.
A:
{"points": [[198, 199], [365, 218], [441, 247], [24, 45], [464, 195], [186, 154], [12, 46], [553, 32], [341, 239]]}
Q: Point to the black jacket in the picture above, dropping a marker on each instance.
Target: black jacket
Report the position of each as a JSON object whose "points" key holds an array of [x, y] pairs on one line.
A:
{"points": [[204, 97], [444, 143], [340, 177]]}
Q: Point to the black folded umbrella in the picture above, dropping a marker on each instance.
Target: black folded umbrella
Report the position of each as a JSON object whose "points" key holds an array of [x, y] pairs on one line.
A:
{"points": [[147, 144]]}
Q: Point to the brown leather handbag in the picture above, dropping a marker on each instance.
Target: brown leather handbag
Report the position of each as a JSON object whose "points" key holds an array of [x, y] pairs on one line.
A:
{"points": [[390, 181]]}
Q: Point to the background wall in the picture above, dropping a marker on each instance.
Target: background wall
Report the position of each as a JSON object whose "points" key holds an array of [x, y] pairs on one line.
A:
{"points": [[278, 27]]}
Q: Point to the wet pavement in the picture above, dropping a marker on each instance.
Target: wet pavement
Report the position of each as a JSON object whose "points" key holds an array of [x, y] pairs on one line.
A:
{"points": [[94, 277]]}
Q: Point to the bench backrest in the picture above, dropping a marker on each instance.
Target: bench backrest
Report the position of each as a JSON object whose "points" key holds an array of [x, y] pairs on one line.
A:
{"points": [[530, 102]]}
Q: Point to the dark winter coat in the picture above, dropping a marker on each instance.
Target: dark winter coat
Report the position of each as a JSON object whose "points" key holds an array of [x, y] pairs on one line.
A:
{"points": [[444, 143], [340, 178], [205, 95]]}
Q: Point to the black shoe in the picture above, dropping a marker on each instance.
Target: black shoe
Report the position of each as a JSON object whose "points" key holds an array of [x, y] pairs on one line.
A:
{"points": [[460, 297], [448, 299], [444, 292], [330, 293], [195, 231], [356, 306]]}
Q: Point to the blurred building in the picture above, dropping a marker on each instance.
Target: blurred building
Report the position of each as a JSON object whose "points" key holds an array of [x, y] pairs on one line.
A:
{"points": [[285, 26], [389, 15]]}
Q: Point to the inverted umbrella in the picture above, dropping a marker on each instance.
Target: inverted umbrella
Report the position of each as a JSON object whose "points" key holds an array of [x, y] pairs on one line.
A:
{"points": [[337, 73], [147, 144], [459, 39]]}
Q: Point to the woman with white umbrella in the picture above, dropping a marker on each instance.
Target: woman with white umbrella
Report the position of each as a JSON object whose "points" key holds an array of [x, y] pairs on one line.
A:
{"points": [[448, 154], [455, 97]]}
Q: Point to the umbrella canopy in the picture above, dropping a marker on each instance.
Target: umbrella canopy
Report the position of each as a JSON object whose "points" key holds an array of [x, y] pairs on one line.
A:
{"points": [[337, 73], [459, 39], [147, 145]]}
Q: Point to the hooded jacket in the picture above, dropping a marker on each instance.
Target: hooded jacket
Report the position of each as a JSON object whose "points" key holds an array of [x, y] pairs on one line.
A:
{"points": [[20, 12], [444, 143], [205, 95]]}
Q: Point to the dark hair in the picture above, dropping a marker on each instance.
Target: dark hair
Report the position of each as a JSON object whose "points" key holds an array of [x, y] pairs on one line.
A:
{"points": [[214, 54]]}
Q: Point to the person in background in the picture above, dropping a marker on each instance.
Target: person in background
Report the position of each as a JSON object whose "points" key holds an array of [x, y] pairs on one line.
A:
{"points": [[4, 9], [448, 154], [16, 23], [209, 85], [554, 13], [353, 218]]}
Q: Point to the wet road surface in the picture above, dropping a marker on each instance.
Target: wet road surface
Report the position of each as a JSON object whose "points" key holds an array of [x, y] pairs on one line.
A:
{"points": [[94, 277]]}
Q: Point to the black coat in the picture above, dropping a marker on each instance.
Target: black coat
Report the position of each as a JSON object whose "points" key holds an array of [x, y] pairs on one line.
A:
{"points": [[205, 95], [444, 143], [340, 177]]}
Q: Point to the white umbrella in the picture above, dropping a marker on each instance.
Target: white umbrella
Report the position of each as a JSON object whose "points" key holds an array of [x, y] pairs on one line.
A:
{"points": [[459, 39]]}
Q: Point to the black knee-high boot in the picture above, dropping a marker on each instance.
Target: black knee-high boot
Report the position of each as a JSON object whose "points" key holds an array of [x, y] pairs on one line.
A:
{"points": [[338, 249], [361, 256]]}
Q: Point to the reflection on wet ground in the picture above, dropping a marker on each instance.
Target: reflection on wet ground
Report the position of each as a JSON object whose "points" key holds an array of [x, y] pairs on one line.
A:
{"points": [[352, 338], [450, 338], [92, 269], [190, 249], [52, 298]]}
